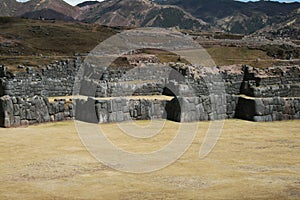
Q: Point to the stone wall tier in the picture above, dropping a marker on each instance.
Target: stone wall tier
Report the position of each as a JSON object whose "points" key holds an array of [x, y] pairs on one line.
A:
{"points": [[268, 109]]}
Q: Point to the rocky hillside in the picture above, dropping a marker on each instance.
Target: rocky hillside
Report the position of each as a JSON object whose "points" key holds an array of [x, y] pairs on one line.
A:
{"points": [[9, 7], [223, 15], [137, 13], [129, 13], [49, 9], [36, 9], [235, 16], [289, 27]]}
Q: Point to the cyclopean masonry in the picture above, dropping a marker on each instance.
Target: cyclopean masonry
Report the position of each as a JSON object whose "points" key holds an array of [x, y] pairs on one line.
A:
{"points": [[173, 91]]}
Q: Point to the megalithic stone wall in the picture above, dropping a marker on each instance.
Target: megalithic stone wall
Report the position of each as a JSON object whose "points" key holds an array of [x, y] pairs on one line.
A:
{"points": [[268, 109], [54, 80], [119, 110], [200, 93], [281, 81], [17, 111]]}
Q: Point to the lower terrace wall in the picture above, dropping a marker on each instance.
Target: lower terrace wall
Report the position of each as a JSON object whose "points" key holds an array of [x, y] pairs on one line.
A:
{"points": [[17, 111], [268, 109]]}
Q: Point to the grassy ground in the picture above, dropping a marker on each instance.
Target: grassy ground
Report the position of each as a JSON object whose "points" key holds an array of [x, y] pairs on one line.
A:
{"points": [[250, 161], [240, 55], [36, 42], [165, 56]]}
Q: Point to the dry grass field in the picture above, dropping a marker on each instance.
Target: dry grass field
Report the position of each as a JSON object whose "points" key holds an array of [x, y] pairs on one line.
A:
{"points": [[250, 161], [240, 55]]}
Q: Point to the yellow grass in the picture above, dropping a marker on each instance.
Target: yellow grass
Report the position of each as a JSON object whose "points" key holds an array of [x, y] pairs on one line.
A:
{"points": [[250, 161], [240, 55]]}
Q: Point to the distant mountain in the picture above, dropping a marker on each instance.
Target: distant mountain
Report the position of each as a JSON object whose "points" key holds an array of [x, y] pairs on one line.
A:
{"points": [[235, 16], [47, 14], [9, 7], [137, 13], [48, 8], [222, 15], [289, 27]]}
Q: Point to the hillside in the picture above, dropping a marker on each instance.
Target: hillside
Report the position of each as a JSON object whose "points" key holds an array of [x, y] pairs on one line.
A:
{"points": [[234, 16], [212, 15], [9, 7], [48, 9], [47, 14], [137, 13], [36, 42], [288, 28]]}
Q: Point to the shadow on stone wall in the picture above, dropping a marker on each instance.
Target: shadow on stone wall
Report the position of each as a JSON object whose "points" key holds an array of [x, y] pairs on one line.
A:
{"points": [[173, 110]]}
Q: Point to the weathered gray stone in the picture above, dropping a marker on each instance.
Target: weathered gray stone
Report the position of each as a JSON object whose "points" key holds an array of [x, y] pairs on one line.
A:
{"points": [[203, 84], [259, 107], [6, 112], [17, 121], [24, 123]]}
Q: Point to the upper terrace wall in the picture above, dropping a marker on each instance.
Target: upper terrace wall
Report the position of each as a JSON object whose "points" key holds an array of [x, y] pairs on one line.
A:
{"points": [[54, 80], [271, 82], [58, 80]]}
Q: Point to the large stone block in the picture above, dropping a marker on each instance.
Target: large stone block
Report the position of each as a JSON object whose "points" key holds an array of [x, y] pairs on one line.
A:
{"points": [[6, 112], [259, 107]]}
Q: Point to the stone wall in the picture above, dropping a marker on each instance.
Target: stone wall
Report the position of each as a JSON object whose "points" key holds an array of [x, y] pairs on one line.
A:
{"points": [[18, 111], [200, 93], [54, 80], [268, 109], [119, 109], [274, 81]]}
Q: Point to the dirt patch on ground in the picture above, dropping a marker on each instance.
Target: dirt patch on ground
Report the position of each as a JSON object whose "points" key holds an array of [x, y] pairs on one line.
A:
{"points": [[250, 161]]}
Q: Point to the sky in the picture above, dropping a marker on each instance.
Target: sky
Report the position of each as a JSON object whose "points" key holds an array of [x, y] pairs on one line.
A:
{"points": [[75, 2]]}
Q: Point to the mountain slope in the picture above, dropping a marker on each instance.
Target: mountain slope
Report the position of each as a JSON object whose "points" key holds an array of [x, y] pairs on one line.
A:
{"points": [[288, 28], [8, 7], [47, 14], [43, 6], [37, 42], [226, 15], [235, 16], [136, 13]]}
